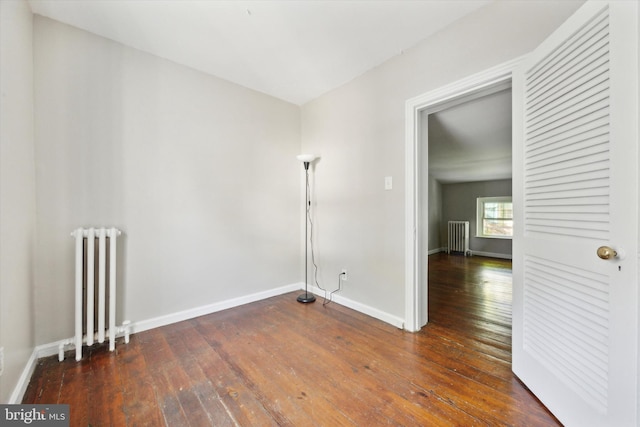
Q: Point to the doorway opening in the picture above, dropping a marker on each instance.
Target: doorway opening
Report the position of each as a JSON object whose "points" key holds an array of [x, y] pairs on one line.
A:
{"points": [[469, 174], [470, 182], [418, 184]]}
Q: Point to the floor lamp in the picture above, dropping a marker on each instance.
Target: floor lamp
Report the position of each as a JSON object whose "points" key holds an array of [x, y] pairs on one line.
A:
{"points": [[306, 159]]}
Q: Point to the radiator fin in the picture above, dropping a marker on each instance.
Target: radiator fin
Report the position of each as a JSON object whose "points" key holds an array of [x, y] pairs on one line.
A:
{"points": [[458, 237], [95, 290]]}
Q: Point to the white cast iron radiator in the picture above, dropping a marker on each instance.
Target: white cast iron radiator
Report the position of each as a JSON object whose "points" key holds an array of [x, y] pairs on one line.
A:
{"points": [[458, 237], [95, 290]]}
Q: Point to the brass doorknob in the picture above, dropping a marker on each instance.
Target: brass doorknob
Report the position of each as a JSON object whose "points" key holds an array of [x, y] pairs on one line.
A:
{"points": [[605, 252]]}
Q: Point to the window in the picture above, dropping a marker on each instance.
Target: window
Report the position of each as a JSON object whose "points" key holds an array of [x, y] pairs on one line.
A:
{"points": [[495, 217]]}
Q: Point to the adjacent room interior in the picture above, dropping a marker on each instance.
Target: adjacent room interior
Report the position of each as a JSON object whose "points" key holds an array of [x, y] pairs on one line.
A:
{"points": [[469, 147]]}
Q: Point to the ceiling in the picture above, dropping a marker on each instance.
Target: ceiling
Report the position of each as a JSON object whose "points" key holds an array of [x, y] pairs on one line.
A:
{"points": [[472, 141], [297, 50], [292, 50]]}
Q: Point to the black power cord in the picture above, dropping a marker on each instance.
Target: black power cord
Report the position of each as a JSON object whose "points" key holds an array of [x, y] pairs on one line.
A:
{"points": [[325, 302], [313, 254]]}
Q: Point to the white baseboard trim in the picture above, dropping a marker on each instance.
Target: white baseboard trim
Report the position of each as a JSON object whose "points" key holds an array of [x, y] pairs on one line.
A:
{"points": [[491, 254], [51, 349], [436, 251], [169, 319], [362, 308], [478, 253], [46, 350], [23, 381]]}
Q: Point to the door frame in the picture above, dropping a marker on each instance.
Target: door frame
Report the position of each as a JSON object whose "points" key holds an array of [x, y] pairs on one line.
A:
{"points": [[416, 182]]}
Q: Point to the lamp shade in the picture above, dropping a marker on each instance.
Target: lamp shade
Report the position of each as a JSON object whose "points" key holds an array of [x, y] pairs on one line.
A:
{"points": [[306, 157]]}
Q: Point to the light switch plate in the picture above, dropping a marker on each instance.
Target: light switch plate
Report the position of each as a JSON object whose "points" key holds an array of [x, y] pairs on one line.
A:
{"points": [[388, 182]]}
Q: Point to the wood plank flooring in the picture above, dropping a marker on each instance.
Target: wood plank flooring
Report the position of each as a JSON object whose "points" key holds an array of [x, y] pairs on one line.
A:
{"points": [[279, 362]]}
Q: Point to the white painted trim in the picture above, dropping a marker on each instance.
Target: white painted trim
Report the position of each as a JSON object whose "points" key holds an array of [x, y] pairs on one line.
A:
{"points": [[362, 308], [23, 381], [46, 350], [477, 253], [180, 316], [491, 254], [436, 251], [470, 87], [412, 249], [51, 349]]}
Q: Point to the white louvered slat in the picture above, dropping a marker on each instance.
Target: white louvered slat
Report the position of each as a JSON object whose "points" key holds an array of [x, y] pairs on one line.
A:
{"points": [[580, 181], [578, 154], [558, 140], [566, 208], [576, 142], [538, 102], [580, 94], [570, 112], [567, 137], [566, 325], [572, 216], [565, 128], [565, 150], [557, 62], [566, 174]]}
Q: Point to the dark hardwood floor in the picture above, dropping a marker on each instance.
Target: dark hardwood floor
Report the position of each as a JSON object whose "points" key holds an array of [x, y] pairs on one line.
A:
{"points": [[279, 362]]}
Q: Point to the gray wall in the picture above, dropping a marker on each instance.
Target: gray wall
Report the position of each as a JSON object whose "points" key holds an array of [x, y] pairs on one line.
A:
{"points": [[435, 216], [199, 173], [459, 204], [17, 192], [359, 130]]}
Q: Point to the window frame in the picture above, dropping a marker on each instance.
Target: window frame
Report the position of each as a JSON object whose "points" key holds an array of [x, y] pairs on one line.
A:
{"points": [[480, 202]]}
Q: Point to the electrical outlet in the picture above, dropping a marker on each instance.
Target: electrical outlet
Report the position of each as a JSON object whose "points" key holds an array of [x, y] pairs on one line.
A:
{"points": [[343, 275], [388, 183], [1, 360]]}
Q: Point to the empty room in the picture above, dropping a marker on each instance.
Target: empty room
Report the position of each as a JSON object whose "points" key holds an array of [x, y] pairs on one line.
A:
{"points": [[225, 213]]}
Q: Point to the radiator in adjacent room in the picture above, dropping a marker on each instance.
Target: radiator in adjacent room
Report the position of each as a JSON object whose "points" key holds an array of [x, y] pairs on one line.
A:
{"points": [[458, 240], [95, 290]]}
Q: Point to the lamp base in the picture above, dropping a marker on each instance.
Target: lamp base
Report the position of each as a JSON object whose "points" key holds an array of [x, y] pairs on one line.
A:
{"points": [[306, 297]]}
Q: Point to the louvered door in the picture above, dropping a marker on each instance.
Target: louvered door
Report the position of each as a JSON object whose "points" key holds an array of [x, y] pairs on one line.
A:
{"points": [[575, 326]]}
